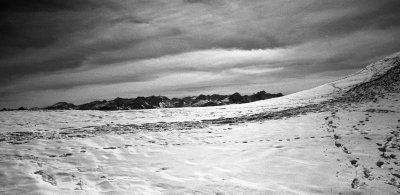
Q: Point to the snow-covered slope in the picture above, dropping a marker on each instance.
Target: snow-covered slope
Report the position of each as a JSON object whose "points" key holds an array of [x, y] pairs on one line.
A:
{"points": [[326, 140]]}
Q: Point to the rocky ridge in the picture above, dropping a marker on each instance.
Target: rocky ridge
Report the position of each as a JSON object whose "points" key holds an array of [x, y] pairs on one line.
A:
{"points": [[152, 102]]}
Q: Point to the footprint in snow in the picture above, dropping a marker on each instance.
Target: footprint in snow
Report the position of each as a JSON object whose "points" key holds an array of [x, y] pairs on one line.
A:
{"points": [[355, 184], [379, 164], [46, 177], [354, 163], [110, 148], [162, 169], [345, 150], [65, 155], [368, 174]]}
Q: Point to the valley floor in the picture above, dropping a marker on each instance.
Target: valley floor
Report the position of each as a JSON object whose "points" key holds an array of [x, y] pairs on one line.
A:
{"points": [[341, 149]]}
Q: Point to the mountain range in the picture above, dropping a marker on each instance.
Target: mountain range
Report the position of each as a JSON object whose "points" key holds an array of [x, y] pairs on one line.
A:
{"points": [[152, 102]]}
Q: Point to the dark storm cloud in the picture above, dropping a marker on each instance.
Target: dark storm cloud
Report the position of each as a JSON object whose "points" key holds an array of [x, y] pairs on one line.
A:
{"points": [[12, 6], [38, 23], [74, 43], [370, 15], [29, 26]]}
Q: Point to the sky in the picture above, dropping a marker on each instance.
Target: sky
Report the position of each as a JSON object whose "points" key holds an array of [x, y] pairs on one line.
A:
{"points": [[83, 50]]}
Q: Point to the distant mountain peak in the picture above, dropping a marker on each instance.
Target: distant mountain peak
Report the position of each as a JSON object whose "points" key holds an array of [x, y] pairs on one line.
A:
{"points": [[164, 102]]}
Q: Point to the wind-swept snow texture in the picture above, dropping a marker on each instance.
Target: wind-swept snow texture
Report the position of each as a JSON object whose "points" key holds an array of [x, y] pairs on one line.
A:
{"points": [[339, 138]]}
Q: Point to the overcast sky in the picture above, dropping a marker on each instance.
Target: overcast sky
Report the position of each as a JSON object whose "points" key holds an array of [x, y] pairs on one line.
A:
{"points": [[82, 50]]}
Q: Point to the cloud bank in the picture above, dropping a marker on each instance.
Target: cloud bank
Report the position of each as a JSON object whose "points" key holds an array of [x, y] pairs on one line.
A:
{"points": [[83, 50]]}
